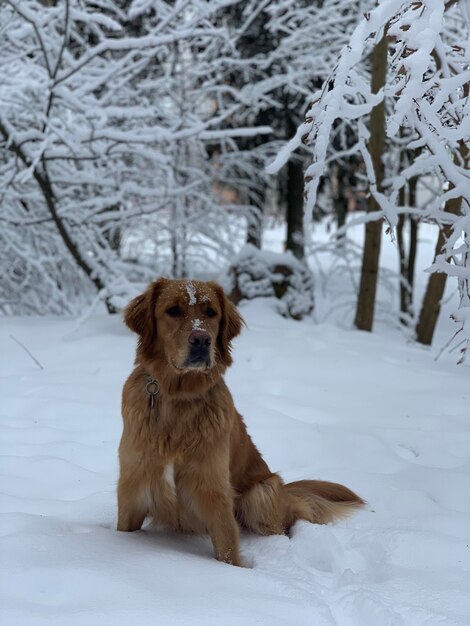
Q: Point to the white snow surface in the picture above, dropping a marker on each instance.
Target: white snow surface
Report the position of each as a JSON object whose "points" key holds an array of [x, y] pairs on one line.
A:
{"points": [[367, 410], [372, 411]]}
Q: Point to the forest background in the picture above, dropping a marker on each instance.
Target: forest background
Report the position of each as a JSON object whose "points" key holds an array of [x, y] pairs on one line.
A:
{"points": [[144, 138]]}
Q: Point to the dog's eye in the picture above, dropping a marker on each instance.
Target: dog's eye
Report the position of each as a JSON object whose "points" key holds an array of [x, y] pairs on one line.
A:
{"points": [[174, 311], [210, 312]]}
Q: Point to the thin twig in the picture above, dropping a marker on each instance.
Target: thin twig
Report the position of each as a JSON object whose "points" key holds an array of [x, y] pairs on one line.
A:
{"points": [[458, 345], [26, 350], [447, 344]]}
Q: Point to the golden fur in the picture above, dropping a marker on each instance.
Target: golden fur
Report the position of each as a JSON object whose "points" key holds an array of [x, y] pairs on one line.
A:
{"points": [[188, 460]]}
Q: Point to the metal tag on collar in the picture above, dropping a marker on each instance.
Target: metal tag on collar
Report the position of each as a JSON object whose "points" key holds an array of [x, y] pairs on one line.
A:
{"points": [[153, 389]]}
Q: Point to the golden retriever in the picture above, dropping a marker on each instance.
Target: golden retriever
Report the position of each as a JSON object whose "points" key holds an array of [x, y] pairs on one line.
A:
{"points": [[186, 458]]}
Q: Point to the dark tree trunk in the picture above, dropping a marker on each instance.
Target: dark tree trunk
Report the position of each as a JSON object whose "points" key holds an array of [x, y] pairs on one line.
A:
{"points": [[341, 209], [413, 246], [373, 230], [431, 306], [404, 287], [255, 226], [295, 208], [340, 201], [407, 258]]}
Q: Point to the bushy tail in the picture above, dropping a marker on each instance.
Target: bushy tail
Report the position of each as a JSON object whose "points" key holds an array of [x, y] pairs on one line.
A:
{"points": [[319, 501]]}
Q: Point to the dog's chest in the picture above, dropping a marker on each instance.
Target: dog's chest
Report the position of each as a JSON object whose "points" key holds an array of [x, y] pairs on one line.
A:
{"points": [[175, 430], [171, 430], [169, 434], [169, 476]]}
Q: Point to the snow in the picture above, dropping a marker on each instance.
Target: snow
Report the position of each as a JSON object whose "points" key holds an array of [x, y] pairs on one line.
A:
{"points": [[368, 410], [191, 289], [372, 411]]}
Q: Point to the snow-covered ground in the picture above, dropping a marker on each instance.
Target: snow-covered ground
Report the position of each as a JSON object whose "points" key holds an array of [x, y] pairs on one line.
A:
{"points": [[372, 411]]}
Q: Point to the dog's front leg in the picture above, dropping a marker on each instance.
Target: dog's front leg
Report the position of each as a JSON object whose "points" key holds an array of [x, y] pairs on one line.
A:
{"points": [[206, 481], [132, 508]]}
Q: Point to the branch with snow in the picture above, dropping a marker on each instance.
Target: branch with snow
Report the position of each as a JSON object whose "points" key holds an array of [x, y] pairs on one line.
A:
{"points": [[426, 96], [110, 119]]}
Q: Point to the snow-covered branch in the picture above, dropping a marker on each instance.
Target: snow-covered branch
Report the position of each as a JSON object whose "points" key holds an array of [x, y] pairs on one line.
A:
{"points": [[427, 98]]}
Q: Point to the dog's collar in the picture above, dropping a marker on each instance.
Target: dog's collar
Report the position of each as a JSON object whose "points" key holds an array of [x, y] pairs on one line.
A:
{"points": [[152, 388]]}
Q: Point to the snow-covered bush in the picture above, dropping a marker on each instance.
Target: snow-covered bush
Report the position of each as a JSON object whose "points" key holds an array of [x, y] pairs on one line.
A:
{"points": [[261, 274]]}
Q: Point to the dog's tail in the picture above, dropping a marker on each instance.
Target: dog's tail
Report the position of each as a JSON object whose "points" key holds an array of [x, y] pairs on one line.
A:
{"points": [[319, 501]]}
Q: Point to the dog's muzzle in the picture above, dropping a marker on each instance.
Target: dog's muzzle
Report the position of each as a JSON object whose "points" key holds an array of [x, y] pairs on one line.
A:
{"points": [[199, 349]]}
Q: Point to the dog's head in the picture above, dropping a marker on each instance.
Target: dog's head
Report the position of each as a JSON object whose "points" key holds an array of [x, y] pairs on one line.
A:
{"points": [[188, 323]]}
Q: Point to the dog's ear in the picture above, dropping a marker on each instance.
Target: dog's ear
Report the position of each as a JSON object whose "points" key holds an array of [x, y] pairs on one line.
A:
{"points": [[231, 324], [139, 316]]}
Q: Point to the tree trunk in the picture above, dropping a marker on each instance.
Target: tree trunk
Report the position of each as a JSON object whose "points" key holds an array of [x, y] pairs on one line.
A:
{"points": [[340, 201], [255, 225], [403, 267], [295, 208], [341, 209], [413, 247], [431, 306], [407, 258], [373, 230]]}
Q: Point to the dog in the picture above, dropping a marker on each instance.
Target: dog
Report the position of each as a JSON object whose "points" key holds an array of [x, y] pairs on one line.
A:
{"points": [[185, 456]]}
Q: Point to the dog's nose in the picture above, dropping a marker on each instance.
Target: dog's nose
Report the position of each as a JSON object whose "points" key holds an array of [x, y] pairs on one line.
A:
{"points": [[199, 338]]}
